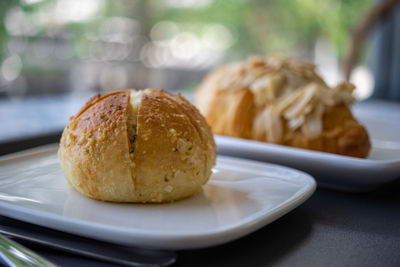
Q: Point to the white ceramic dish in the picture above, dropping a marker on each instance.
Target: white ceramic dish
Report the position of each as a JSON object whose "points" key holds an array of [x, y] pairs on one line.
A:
{"points": [[382, 121], [241, 197]]}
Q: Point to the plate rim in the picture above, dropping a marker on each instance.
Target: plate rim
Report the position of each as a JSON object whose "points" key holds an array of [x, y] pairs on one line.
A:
{"points": [[336, 172], [201, 239], [306, 152]]}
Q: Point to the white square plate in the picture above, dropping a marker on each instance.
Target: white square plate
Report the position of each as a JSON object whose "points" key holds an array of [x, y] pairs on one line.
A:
{"points": [[382, 120], [241, 197]]}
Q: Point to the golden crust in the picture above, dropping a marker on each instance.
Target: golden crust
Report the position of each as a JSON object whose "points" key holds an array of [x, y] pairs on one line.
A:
{"points": [[170, 149], [232, 113], [342, 134], [173, 153], [93, 143], [203, 129]]}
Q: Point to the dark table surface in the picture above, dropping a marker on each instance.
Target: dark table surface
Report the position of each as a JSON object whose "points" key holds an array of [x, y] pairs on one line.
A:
{"points": [[330, 229]]}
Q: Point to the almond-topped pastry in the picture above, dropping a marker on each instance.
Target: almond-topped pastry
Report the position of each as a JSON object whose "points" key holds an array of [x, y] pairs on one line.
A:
{"points": [[137, 146], [282, 101]]}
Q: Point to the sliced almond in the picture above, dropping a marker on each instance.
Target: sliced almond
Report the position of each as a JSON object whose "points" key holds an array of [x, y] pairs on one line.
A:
{"points": [[312, 127], [274, 127], [298, 107], [296, 123], [286, 101]]}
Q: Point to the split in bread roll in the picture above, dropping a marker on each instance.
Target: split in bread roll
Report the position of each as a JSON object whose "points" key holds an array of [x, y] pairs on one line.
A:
{"points": [[282, 101], [137, 146]]}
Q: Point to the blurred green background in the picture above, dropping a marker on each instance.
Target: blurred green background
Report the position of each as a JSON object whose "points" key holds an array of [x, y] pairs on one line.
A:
{"points": [[50, 47]]}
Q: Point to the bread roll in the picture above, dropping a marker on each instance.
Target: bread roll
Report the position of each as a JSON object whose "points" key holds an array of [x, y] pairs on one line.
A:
{"points": [[282, 101], [137, 146]]}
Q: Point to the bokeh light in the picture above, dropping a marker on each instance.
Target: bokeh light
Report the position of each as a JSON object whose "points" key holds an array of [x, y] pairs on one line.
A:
{"points": [[54, 46], [11, 67]]}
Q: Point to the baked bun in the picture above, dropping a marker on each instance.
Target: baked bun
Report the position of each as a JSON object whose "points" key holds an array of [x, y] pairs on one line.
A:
{"points": [[137, 146], [282, 101]]}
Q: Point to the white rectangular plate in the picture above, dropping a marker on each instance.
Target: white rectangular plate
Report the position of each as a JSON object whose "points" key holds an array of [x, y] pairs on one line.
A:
{"points": [[241, 197], [382, 121]]}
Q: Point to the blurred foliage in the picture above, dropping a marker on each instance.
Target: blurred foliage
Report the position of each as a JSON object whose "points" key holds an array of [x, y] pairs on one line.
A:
{"points": [[4, 7], [284, 26]]}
